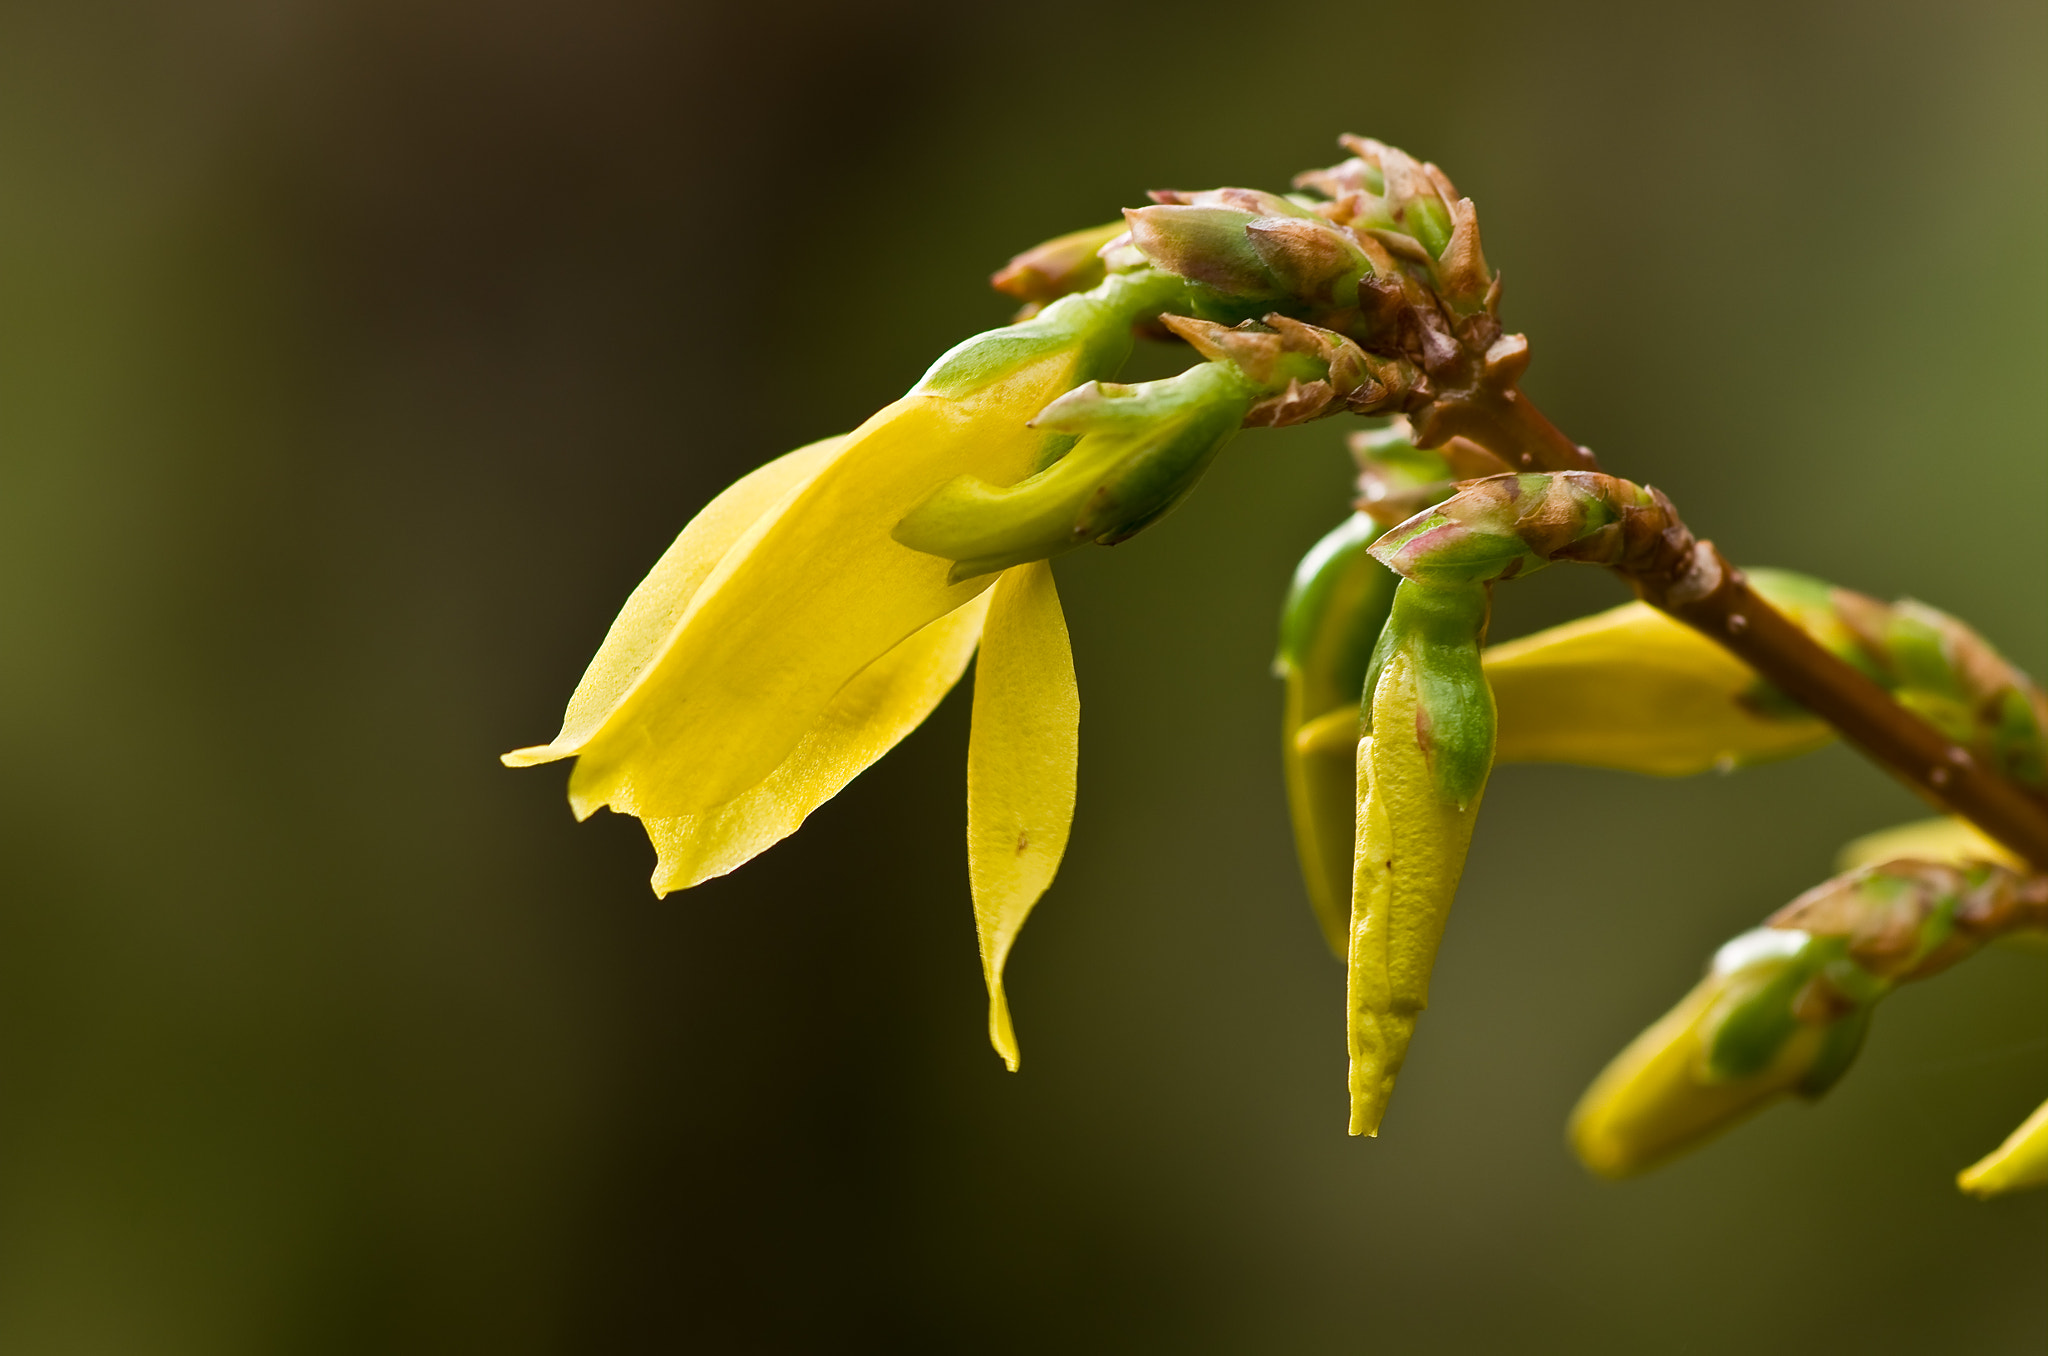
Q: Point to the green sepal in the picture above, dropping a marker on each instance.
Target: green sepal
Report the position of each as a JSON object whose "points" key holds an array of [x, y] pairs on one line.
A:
{"points": [[1441, 628], [1140, 450], [1839, 1046], [1099, 320], [1752, 1029]]}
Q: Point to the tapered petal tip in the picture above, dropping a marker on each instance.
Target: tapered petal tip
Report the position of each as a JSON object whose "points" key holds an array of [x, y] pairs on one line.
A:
{"points": [[1001, 1034], [1379, 1045], [2019, 1163], [532, 757]]}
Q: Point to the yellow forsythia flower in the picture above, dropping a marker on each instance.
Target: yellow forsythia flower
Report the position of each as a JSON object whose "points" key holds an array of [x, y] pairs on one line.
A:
{"points": [[787, 640]]}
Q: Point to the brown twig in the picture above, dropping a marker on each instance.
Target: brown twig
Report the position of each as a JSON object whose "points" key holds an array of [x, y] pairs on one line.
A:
{"points": [[1693, 582]]}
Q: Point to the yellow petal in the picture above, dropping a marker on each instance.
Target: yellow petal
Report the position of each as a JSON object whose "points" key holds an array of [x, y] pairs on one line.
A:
{"points": [[1021, 764], [884, 702], [811, 595], [2020, 1162], [1320, 762], [1634, 690], [1411, 852], [651, 612], [1947, 839]]}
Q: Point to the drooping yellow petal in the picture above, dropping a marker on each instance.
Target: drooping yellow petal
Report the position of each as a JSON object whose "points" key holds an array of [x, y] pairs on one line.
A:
{"points": [[1021, 766], [1948, 839], [812, 594], [1411, 852], [884, 702], [1320, 763], [1632, 689], [654, 607], [2020, 1162]]}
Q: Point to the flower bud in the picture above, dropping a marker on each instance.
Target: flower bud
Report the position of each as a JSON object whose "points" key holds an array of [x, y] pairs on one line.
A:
{"points": [[1313, 261], [1206, 245], [1732, 1046], [1510, 525], [1784, 1007], [1062, 265], [1397, 479]]}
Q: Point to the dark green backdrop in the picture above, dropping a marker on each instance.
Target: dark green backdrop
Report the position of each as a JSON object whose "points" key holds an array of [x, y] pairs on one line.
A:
{"points": [[355, 360]]}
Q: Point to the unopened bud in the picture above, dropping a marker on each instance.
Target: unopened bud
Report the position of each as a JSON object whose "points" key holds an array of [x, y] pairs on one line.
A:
{"points": [[1064, 264], [1509, 525], [1463, 278], [1313, 261], [1738, 1042], [1206, 245], [1783, 1008], [1397, 479]]}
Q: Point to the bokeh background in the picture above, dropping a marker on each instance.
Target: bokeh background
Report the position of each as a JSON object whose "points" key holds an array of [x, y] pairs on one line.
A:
{"points": [[357, 358]]}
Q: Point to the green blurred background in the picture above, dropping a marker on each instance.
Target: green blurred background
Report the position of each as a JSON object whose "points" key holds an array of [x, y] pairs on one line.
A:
{"points": [[356, 359]]}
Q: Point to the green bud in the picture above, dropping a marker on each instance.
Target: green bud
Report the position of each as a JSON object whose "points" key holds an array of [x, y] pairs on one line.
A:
{"points": [[1312, 261], [1508, 525], [1063, 265], [1206, 245], [1141, 449], [1397, 479]]}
